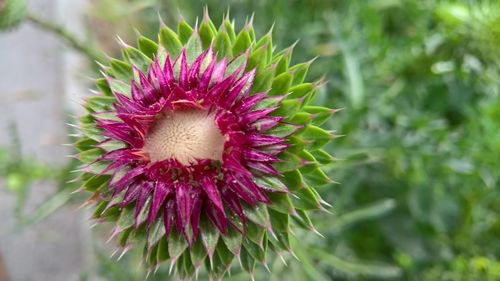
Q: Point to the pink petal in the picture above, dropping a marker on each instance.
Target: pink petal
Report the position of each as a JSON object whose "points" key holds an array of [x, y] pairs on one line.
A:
{"points": [[219, 71], [168, 70], [207, 75], [263, 167], [169, 216], [183, 72], [129, 176], [163, 82], [137, 93], [251, 188], [216, 216], [195, 215], [128, 104], [257, 140], [277, 148], [194, 71], [131, 194], [233, 202], [266, 123], [219, 89], [146, 189], [184, 205], [258, 156], [238, 89], [248, 103], [212, 192], [161, 191], [113, 166], [241, 190], [231, 164], [138, 128], [255, 115]]}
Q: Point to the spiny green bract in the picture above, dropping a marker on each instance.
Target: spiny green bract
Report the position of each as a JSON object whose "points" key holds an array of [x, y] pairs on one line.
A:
{"points": [[267, 227]]}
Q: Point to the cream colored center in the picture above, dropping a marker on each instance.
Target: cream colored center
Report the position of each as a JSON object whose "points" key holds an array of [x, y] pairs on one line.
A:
{"points": [[186, 136]]}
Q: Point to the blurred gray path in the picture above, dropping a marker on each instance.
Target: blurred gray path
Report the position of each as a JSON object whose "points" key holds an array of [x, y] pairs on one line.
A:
{"points": [[38, 76]]}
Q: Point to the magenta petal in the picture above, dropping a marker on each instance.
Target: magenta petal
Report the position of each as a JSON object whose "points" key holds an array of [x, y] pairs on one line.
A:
{"points": [[128, 177], [212, 192], [161, 192], [219, 89], [113, 166], [241, 190], [238, 89], [194, 72], [247, 86], [118, 190], [231, 164], [207, 75], [120, 131], [216, 216], [277, 148], [138, 128], [252, 188], [263, 167], [258, 156], [120, 157], [145, 192], [119, 108], [183, 72], [233, 202], [255, 115], [228, 124], [147, 88], [248, 103], [184, 205], [128, 104], [115, 154], [137, 92], [169, 216], [179, 226], [219, 71], [138, 121], [195, 215], [168, 70], [178, 93], [257, 140], [266, 123], [131, 194], [163, 82], [156, 172]]}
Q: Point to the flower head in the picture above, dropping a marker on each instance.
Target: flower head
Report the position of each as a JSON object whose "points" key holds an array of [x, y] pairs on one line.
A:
{"points": [[204, 146]]}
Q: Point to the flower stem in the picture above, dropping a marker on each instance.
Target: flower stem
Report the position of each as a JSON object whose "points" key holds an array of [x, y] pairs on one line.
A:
{"points": [[63, 33]]}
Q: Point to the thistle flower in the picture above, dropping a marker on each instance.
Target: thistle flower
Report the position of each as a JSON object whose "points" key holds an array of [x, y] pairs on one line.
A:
{"points": [[204, 147]]}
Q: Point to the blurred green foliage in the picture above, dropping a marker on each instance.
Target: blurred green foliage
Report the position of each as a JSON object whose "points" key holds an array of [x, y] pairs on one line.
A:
{"points": [[418, 165], [21, 173]]}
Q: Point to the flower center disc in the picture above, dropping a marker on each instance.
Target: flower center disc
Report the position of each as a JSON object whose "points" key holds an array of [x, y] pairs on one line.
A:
{"points": [[186, 136]]}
